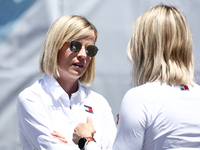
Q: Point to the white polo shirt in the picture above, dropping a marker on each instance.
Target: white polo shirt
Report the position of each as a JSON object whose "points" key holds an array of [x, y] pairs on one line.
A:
{"points": [[159, 117], [45, 107]]}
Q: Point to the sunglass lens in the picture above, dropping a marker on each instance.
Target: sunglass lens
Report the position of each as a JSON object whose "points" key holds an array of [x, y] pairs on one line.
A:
{"points": [[75, 46], [91, 50]]}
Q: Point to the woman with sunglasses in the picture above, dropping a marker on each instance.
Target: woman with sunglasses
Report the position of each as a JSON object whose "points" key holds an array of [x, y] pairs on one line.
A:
{"points": [[50, 109]]}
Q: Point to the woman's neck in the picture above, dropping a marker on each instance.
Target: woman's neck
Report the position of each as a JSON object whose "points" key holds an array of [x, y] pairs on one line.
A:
{"points": [[70, 86]]}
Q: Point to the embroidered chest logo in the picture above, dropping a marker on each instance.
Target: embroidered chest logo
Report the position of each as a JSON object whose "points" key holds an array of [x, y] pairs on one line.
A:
{"points": [[88, 109]]}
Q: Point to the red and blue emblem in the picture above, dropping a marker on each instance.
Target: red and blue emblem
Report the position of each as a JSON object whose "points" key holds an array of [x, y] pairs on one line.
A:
{"points": [[88, 109], [183, 88]]}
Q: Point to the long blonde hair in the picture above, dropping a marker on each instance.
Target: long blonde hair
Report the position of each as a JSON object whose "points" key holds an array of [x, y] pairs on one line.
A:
{"points": [[161, 47]]}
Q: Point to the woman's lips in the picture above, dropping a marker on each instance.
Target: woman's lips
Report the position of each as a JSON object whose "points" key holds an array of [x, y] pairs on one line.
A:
{"points": [[78, 64]]}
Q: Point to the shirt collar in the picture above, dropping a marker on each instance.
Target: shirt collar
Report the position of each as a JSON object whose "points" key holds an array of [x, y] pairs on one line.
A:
{"points": [[57, 91]]}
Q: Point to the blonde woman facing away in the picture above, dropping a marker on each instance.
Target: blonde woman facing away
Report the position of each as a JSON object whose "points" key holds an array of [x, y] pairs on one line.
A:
{"points": [[162, 111]]}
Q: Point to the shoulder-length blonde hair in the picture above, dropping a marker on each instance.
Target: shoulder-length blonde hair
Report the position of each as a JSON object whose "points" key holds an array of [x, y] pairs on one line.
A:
{"points": [[161, 47], [66, 28]]}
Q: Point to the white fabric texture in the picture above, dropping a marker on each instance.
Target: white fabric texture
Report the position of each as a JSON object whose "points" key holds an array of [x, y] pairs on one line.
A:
{"points": [[45, 107], [159, 117], [92, 146]]}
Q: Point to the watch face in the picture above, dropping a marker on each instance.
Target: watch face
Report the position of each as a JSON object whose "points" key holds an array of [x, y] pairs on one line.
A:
{"points": [[81, 143]]}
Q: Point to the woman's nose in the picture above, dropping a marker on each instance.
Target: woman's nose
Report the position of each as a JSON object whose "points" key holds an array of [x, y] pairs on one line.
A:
{"points": [[82, 52]]}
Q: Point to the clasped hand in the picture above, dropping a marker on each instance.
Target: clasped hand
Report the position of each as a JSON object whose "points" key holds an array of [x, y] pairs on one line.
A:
{"points": [[82, 130]]}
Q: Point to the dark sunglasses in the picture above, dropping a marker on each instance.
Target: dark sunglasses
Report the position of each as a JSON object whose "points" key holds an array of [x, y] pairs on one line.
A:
{"points": [[91, 50]]}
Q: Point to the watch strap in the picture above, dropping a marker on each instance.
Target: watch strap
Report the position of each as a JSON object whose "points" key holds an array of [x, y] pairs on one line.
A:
{"points": [[84, 141], [88, 139]]}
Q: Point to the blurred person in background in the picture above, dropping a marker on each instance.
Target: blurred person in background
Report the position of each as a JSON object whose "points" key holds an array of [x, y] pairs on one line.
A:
{"points": [[162, 111], [50, 109]]}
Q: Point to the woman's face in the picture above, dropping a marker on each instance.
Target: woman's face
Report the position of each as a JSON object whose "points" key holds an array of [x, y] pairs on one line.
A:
{"points": [[73, 65]]}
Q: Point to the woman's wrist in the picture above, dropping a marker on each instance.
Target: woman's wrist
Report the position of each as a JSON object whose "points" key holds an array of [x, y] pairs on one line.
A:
{"points": [[85, 141]]}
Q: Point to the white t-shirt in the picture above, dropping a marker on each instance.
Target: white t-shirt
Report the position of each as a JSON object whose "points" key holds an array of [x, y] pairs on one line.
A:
{"points": [[159, 117], [45, 107]]}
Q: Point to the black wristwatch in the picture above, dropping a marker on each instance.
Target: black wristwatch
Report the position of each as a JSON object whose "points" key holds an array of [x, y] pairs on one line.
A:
{"points": [[83, 142]]}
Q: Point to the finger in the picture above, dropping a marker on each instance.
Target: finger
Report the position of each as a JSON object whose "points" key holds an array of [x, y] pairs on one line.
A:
{"points": [[65, 143], [61, 140], [89, 119], [54, 133], [75, 138], [75, 134], [57, 135]]}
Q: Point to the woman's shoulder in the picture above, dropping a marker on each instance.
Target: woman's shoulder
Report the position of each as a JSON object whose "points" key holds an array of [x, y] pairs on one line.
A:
{"points": [[33, 90], [145, 89], [195, 90], [196, 86], [146, 93]]}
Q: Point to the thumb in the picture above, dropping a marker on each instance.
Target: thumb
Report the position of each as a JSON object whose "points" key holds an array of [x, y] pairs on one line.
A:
{"points": [[89, 120]]}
